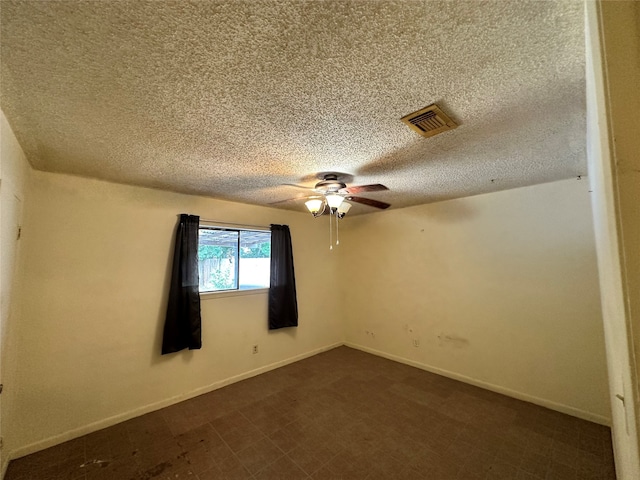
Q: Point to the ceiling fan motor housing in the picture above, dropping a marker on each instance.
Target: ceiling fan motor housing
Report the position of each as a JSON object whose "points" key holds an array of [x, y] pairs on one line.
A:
{"points": [[330, 184], [334, 184]]}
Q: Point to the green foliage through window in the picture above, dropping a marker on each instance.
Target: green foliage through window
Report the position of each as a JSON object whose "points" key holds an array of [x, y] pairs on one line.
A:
{"points": [[230, 259], [214, 251], [262, 250]]}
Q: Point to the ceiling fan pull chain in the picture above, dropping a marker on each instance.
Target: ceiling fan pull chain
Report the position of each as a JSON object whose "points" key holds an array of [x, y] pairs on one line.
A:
{"points": [[330, 235], [337, 231]]}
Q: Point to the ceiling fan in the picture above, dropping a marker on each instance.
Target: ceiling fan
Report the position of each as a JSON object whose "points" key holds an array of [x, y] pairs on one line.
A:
{"points": [[331, 191]]}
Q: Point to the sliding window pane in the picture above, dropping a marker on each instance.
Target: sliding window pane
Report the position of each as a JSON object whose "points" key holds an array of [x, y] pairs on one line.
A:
{"points": [[218, 256], [255, 253]]}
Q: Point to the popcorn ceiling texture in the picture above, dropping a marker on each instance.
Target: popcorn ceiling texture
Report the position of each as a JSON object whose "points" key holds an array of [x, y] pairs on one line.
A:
{"points": [[231, 99]]}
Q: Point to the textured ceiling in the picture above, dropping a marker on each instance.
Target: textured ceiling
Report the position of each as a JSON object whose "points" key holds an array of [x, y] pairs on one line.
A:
{"points": [[231, 99]]}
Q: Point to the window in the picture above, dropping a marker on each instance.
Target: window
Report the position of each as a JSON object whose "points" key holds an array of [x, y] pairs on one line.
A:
{"points": [[233, 259]]}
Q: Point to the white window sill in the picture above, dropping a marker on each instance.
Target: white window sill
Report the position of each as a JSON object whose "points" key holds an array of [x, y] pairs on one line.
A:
{"points": [[232, 293]]}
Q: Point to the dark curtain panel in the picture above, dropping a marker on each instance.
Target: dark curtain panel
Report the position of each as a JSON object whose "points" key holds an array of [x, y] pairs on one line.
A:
{"points": [[283, 305], [182, 327]]}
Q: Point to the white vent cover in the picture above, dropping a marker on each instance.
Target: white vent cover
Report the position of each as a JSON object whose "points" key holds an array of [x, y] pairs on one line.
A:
{"points": [[429, 121]]}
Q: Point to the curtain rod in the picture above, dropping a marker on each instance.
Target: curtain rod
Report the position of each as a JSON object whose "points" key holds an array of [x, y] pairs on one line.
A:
{"points": [[238, 225]]}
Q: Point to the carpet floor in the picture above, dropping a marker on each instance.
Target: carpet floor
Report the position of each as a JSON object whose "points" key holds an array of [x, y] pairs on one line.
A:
{"points": [[342, 414]]}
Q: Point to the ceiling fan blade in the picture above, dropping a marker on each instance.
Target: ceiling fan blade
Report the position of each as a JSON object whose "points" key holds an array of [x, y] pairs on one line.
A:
{"points": [[369, 202], [294, 199], [296, 186], [376, 187]]}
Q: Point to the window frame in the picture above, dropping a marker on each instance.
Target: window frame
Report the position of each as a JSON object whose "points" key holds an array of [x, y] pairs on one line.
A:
{"points": [[205, 225]]}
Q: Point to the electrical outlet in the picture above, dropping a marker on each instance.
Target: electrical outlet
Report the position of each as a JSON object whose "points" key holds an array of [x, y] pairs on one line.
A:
{"points": [[416, 342], [255, 349]]}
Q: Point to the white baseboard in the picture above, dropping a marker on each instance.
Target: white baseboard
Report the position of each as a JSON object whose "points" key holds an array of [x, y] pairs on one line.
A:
{"points": [[121, 417], [575, 412]]}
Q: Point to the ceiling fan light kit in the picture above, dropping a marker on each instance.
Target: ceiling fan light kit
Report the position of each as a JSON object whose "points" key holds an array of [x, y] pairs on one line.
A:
{"points": [[332, 192], [315, 205], [343, 209], [334, 200]]}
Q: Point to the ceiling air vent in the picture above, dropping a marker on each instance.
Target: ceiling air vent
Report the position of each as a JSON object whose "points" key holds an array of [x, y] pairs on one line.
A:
{"points": [[429, 121]]}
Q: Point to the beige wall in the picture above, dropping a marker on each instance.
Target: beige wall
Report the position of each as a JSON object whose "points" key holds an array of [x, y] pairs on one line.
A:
{"points": [[601, 178], [96, 279], [621, 44], [500, 290], [15, 174]]}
